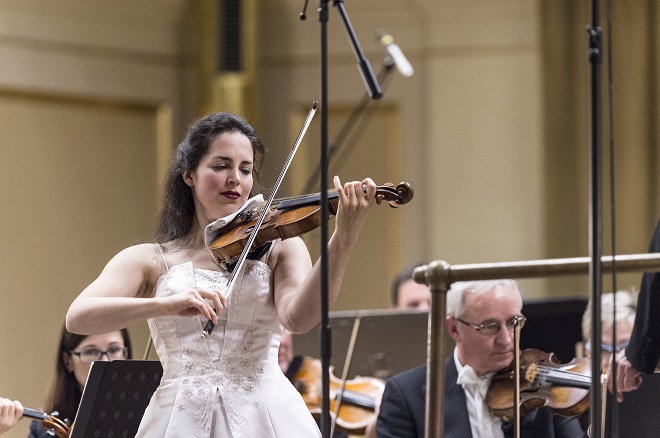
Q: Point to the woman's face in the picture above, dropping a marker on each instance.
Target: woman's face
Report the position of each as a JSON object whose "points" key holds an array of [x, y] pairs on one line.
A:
{"points": [[223, 179], [76, 363]]}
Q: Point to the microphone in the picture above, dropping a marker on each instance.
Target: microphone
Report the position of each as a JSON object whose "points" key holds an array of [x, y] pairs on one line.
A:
{"points": [[394, 51]]}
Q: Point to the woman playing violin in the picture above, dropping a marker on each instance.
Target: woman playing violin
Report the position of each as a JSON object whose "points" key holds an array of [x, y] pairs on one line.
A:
{"points": [[227, 383]]}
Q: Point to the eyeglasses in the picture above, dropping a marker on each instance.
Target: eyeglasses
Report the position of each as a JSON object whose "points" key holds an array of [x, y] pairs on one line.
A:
{"points": [[608, 348], [92, 354], [492, 327]]}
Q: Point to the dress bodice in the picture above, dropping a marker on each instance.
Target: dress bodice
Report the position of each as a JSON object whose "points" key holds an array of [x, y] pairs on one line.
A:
{"points": [[227, 383]]}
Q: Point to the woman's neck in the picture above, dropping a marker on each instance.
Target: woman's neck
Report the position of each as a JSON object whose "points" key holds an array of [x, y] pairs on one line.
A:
{"points": [[196, 240]]}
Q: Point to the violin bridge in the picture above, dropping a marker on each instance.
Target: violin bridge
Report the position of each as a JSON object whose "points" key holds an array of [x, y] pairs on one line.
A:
{"points": [[531, 373]]}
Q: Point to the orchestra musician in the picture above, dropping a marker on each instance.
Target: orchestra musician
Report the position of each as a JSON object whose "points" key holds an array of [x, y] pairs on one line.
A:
{"points": [[643, 351], [407, 294], [75, 354], [480, 319], [227, 381], [10, 413], [626, 304]]}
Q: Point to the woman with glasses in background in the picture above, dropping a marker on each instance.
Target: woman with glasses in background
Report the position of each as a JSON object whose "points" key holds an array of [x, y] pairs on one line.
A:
{"points": [[75, 355]]}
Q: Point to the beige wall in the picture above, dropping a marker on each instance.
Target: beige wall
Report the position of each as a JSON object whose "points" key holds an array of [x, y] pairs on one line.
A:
{"points": [[91, 95], [494, 125], [469, 120], [80, 184], [566, 137], [491, 132]]}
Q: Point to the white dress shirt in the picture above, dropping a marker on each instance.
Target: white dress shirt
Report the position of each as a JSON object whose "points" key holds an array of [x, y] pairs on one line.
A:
{"points": [[482, 423]]}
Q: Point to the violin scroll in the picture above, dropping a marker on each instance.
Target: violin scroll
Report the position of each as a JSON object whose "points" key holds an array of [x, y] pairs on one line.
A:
{"points": [[49, 422], [402, 194]]}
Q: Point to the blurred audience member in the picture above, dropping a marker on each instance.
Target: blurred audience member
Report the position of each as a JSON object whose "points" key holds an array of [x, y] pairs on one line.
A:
{"points": [[626, 305], [408, 294]]}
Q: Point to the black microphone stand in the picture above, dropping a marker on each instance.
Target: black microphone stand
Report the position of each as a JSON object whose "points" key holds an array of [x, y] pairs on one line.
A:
{"points": [[596, 219], [375, 93]]}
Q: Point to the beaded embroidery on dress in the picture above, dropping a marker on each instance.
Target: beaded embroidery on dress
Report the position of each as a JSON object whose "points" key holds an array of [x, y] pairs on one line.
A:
{"points": [[228, 384]]}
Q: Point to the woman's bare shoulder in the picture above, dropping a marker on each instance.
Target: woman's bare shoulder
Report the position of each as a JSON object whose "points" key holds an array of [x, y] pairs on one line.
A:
{"points": [[288, 251], [142, 253], [144, 257]]}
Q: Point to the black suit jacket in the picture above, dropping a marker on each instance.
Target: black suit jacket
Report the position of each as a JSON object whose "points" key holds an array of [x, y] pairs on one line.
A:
{"points": [[644, 348], [403, 406]]}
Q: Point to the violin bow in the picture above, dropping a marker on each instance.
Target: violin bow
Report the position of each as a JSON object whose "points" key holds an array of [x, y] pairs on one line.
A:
{"points": [[603, 410], [208, 328], [516, 377], [347, 366], [150, 343]]}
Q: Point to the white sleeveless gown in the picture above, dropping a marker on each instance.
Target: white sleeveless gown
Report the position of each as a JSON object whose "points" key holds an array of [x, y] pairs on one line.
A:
{"points": [[228, 384]]}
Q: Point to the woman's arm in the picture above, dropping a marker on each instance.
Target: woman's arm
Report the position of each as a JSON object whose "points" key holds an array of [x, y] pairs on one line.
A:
{"points": [[297, 288], [118, 297]]}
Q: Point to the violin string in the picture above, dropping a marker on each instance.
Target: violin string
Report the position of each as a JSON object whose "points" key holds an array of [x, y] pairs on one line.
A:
{"points": [[552, 371], [303, 198], [393, 196], [577, 379], [547, 371]]}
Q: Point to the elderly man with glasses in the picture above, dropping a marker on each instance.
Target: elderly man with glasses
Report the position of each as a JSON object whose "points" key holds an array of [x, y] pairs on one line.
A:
{"points": [[481, 316]]}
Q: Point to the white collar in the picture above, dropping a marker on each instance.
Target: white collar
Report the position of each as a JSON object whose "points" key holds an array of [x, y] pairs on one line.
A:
{"points": [[213, 229]]}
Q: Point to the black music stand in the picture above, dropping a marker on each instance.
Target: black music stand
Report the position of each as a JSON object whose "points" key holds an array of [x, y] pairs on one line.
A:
{"points": [[387, 343], [115, 397], [562, 317]]}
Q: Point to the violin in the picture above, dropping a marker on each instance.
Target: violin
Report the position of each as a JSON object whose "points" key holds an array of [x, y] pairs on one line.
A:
{"points": [[545, 382], [358, 400], [290, 217], [49, 422]]}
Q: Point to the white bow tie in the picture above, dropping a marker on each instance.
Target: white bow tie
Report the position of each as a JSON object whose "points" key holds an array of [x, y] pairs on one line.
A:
{"points": [[468, 378]]}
